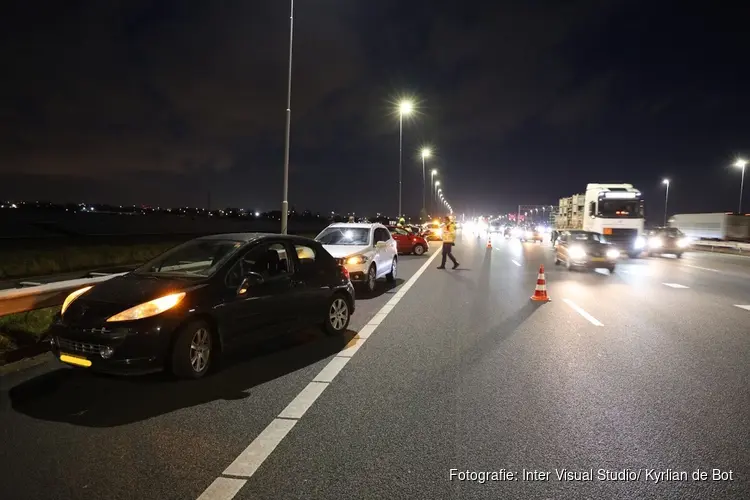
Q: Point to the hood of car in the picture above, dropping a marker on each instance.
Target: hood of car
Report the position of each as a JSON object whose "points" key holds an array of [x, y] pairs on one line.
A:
{"points": [[123, 292], [341, 251]]}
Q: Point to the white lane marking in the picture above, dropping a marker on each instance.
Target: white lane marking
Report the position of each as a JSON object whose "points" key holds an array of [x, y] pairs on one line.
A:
{"points": [[248, 462], [303, 401], [223, 488], [516, 263], [583, 313], [254, 455], [746, 308], [703, 268], [675, 285], [332, 369]]}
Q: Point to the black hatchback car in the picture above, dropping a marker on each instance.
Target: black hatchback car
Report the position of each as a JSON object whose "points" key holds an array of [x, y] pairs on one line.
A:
{"points": [[184, 307], [585, 249]]}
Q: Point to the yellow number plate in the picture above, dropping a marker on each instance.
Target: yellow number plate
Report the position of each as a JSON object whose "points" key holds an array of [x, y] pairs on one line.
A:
{"points": [[75, 360], [598, 259]]}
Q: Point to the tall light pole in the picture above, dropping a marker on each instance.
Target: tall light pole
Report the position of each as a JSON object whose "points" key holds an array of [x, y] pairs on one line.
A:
{"points": [[741, 163], [432, 187], [666, 200], [425, 154], [285, 195], [404, 109]]}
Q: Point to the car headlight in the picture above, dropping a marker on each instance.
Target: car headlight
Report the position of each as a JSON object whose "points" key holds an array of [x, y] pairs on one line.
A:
{"points": [[148, 309], [577, 253], [73, 296], [357, 259], [529, 235], [639, 243], [683, 242], [613, 254], [655, 243], [439, 232]]}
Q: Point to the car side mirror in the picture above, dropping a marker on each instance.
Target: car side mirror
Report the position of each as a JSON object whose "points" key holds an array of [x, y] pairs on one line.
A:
{"points": [[250, 280], [381, 244]]}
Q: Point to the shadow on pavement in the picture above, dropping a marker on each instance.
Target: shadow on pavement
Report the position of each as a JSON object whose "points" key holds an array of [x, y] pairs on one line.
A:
{"points": [[92, 400], [382, 287]]}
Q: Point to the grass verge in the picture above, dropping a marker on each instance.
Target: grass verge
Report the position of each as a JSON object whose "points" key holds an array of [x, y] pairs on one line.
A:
{"points": [[21, 330]]}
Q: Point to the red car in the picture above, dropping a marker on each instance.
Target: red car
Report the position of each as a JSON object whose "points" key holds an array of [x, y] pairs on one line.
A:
{"points": [[408, 242]]}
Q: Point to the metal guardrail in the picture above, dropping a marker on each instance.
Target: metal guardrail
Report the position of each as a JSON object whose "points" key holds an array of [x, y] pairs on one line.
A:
{"points": [[724, 245], [29, 298]]}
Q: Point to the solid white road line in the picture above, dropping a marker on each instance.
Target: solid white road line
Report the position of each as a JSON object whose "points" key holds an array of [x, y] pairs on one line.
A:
{"points": [[583, 313], [254, 455], [248, 462], [223, 488], [703, 268], [675, 285], [746, 308], [516, 263]]}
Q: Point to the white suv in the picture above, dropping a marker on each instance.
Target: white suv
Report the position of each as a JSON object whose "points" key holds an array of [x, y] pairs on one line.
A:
{"points": [[368, 251]]}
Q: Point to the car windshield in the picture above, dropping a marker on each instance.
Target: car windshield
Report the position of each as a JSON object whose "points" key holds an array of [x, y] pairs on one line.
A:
{"points": [[619, 208], [344, 236], [672, 231], [200, 258], [587, 237]]}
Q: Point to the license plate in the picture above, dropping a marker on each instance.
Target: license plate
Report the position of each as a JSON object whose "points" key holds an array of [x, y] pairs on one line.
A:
{"points": [[598, 259], [75, 360]]}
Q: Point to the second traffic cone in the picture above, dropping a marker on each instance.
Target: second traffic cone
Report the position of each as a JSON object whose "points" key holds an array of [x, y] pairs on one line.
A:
{"points": [[540, 294], [489, 242]]}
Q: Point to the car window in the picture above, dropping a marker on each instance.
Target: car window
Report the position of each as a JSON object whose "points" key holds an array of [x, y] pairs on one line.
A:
{"points": [[400, 231], [344, 236], [269, 260], [381, 234], [306, 257]]}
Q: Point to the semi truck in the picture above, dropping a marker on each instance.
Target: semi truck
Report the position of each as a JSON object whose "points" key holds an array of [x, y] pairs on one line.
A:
{"points": [[613, 210], [713, 226]]}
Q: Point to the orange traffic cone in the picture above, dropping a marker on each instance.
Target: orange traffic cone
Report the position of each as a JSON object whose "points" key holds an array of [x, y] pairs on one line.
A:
{"points": [[540, 294], [489, 242]]}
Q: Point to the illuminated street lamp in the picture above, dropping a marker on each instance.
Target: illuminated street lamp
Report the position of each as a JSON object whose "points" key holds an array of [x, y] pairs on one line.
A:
{"points": [[741, 164], [426, 153], [285, 195], [666, 200], [405, 108]]}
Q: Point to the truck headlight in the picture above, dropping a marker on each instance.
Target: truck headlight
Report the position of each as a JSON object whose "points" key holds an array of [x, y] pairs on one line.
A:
{"points": [[655, 243], [577, 253], [613, 254], [357, 259], [639, 243]]}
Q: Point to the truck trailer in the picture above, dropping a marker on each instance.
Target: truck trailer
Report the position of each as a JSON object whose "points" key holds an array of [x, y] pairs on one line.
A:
{"points": [[713, 226], [613, 210]]}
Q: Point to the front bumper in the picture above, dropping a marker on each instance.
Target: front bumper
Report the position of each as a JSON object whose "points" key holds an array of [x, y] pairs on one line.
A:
{"points": [[133, 350], [590, 263]]}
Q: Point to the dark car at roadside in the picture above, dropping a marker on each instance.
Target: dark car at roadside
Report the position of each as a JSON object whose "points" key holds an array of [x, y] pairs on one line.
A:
{"points": [[181, 310], [666, 241], [585, 250]]}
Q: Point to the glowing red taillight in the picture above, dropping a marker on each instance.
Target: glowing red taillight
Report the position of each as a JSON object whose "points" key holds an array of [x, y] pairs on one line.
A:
{"points": [[344, 272]]}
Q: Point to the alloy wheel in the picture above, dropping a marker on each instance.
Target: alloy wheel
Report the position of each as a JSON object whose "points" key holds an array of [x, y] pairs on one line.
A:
{"points": [[200, 349], [338, 314]]}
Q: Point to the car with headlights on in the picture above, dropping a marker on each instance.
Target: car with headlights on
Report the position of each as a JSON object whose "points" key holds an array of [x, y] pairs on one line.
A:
{"points": [[667, 240], [433, 231], [182, 309], [408, 241], [585, 249], [368, 251], [532, 235]]}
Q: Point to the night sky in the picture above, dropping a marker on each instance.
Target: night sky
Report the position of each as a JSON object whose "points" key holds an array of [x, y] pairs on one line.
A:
{"points": [[162, 102]]}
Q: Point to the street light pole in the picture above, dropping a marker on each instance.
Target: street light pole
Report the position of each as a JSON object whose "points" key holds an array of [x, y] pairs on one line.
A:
{"points": [[742, 164], [432, 188], [400, 156], [285, 195], [666, 201]]}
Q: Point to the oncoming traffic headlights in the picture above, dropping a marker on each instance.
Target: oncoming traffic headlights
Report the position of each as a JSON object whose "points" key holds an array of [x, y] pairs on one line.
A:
{"points": [[357, 259], [73, 296], [577, 252], [683, 242], [640, 242], [612, 254], [150, 308], [655, 243], [439, 231]]}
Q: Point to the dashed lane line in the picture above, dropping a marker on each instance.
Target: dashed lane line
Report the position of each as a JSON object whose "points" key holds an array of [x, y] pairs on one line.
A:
{"points": [[675, 285], [516, 263], [248, 462], [583, 313]]}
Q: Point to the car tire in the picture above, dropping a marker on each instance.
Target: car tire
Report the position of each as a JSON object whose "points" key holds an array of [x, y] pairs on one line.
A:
{"points": [[678, 255], [338, 315], [557, 261], [372, 276], [193, 350], [611, 269], [391, 277], [419, 250]]}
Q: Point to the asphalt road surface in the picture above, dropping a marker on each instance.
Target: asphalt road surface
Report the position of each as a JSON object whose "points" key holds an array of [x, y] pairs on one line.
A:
{"points": [[644, 371]]}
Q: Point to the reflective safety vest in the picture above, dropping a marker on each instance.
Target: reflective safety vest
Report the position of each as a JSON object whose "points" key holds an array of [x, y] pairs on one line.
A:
{"points": [[449, 233]]}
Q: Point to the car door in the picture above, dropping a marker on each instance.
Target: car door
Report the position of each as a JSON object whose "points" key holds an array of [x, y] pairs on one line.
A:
{"points": [[383, 252], [261, 309], [311, 279], [402, 237]]}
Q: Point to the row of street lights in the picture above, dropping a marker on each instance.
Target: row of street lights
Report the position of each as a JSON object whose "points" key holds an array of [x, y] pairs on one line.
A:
{"points": [[406, 108], [741, 163]]}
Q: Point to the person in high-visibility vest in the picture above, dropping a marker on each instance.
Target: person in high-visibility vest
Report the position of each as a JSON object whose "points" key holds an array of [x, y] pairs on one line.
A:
{"points": [[401, 222], [449, 240]]}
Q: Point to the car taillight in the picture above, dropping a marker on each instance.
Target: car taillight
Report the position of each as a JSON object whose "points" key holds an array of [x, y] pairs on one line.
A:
{"points": [[344, 272]]}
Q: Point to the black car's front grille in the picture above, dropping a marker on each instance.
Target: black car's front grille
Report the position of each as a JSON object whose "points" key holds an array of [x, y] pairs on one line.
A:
{"points": [[76, 346]]}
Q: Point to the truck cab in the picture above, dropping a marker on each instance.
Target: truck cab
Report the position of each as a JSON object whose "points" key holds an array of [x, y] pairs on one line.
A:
{"points": [[616, 211]]}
